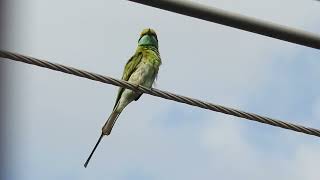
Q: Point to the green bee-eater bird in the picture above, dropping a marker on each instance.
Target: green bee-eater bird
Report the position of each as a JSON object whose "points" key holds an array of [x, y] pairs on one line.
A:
{"points": [[141, 69]]}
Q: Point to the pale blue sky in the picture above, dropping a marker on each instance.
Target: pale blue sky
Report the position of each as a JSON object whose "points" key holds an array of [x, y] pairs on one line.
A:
{"points": [[55, 119]]}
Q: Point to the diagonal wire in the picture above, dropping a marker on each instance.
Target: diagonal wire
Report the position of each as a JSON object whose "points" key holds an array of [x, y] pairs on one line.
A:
{"points": [[212, 14], [159, 93]]}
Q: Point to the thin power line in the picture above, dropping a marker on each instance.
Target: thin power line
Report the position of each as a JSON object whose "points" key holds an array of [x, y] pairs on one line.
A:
{"points": [[239, 21], [159, 93]]}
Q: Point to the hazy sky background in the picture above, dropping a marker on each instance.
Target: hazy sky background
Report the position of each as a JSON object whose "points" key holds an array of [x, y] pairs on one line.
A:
{"points": [[54, 119]]}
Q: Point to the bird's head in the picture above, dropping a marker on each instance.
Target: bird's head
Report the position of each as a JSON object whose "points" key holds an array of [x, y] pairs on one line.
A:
{"points": [[148, 37]]}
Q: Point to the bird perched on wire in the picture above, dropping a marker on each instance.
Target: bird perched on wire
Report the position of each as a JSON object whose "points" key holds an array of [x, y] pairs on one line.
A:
{"points": [[141, 69]]}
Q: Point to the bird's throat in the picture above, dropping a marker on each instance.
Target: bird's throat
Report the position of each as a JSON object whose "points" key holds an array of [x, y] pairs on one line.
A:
{"points": [[148, 40]]}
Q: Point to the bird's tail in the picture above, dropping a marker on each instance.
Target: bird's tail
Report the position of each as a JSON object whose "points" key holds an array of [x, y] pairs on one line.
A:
{"points": [[106, 130]]}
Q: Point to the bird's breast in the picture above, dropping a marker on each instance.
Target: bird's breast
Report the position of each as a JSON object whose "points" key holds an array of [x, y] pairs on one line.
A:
{"points": [[144, 75]]}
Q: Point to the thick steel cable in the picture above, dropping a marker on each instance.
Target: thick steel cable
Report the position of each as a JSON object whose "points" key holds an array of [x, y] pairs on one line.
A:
{"points": [[159, 93], [234, 20]]}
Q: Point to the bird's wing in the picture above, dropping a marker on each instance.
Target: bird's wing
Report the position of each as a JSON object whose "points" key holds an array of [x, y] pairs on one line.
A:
{"points": [[128, 70]]}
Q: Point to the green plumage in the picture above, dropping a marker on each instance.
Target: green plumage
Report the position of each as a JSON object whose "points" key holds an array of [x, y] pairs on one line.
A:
{"points": [[128, 70], [150, 55], [141, 69]]}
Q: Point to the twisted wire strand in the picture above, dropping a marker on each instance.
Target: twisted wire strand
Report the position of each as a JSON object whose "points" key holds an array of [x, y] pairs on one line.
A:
{"points": [[159, 93]]}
